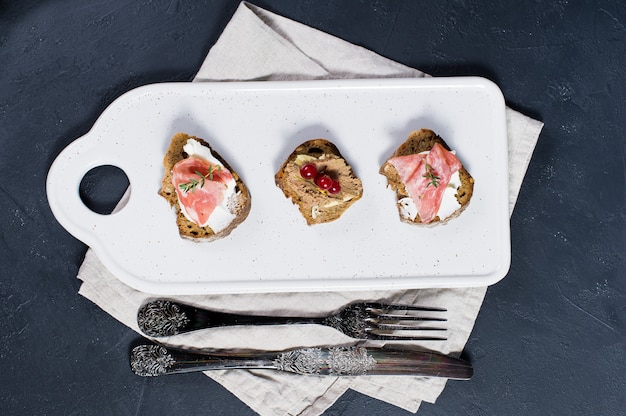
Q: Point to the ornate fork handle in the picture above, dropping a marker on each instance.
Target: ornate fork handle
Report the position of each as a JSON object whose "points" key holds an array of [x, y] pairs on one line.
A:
{"points": [[164, 318], [156, 360]]}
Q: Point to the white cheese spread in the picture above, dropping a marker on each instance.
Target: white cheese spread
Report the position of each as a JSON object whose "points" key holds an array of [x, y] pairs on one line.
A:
{"points": [[449, 203]]}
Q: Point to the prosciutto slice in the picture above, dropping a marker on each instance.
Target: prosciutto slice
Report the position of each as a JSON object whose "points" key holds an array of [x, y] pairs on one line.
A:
{"points": [[200, 202], [417, 171]]}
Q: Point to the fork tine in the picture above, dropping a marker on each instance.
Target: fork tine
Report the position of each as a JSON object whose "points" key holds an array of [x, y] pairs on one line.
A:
{"points": [[404, 327], [395, 338], [392, 307], [402, 317], [377, 334]]}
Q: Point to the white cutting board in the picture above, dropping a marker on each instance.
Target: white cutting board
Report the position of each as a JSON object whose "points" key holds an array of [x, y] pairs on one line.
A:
{"points": [[255, 126]]}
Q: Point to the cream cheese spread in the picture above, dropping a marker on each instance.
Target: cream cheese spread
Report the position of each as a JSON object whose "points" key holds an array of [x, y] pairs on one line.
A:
{"points": [[449, 203]]}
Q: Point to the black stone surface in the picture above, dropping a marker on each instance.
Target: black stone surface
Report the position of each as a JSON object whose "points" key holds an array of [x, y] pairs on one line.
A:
{"points": [[550, 338]]}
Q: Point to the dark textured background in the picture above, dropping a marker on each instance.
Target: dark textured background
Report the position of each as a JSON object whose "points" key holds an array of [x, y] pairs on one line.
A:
{"points": [[550, 338]]}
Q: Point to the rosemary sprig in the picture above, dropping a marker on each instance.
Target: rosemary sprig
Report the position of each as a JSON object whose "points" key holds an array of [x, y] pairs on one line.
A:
{"points": [[201, 180], [430, 174]]}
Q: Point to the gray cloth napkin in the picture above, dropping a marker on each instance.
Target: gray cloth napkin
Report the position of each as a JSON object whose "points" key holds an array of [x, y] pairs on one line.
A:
{"points": [[259, 45]]}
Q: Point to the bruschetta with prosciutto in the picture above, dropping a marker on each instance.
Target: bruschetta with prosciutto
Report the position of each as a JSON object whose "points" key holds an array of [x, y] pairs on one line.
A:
{"points": [[432, 186], [209, 198]]}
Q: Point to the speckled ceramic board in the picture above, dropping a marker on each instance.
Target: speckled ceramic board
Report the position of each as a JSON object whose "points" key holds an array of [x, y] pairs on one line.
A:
{"points": [[255, 126]]}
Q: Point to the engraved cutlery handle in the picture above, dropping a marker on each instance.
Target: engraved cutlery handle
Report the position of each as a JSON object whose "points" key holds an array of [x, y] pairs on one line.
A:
{"points": [[156, 360], [165, 318]]}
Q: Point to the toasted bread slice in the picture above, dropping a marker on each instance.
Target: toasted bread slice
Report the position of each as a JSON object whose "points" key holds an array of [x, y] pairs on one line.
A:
{"points": [[319, 206], [418, 142], [239, 204]]}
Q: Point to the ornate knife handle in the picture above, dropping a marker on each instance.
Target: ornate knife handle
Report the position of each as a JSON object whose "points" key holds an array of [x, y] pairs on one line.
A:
{"points": [[155, 360]]}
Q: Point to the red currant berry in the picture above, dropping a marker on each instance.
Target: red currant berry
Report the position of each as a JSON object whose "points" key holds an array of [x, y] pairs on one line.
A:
{"points": [[323, 181], [308, 171], [334, 188]]}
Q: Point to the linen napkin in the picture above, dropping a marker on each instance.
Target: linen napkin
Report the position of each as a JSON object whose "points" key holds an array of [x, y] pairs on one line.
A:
{"points": [[259, 45]]}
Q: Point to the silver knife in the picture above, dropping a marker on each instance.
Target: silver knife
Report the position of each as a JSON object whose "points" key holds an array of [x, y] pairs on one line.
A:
{"points": [[155, 360]]}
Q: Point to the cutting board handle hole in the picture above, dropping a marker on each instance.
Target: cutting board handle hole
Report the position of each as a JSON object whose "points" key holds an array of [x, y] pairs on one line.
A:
{"points": [[103, 187]]}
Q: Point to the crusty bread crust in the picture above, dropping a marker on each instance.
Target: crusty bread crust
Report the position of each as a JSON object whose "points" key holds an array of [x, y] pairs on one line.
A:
{"points": [[417, 142], [186, 228], [306, 195]]}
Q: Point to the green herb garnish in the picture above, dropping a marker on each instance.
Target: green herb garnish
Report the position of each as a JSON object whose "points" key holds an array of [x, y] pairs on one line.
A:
{"points": [[430, 174], [200, 181]]}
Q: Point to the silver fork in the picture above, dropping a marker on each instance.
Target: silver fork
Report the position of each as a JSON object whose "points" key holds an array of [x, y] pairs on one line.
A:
{"points": [[365, 320]]}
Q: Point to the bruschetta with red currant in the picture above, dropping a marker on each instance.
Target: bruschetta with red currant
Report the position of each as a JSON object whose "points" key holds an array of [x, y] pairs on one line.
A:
{"points": [[318, 179]]}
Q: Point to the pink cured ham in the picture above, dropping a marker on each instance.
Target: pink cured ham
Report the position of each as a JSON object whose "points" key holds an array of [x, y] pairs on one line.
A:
{"points": [[413, 171], [200, 202]]}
